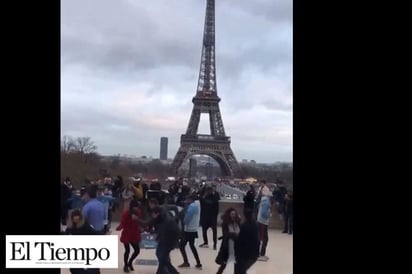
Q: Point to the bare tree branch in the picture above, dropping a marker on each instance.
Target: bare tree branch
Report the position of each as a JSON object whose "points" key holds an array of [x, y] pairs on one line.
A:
{"points": [[85, 145], [67, 144]]}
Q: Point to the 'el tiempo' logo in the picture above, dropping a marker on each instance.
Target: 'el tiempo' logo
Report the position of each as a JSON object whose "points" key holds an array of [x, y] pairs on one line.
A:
{"points": [[61, 251]]}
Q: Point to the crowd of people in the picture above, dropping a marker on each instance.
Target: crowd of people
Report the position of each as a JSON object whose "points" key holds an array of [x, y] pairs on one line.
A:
{"points": [[174, 217]]}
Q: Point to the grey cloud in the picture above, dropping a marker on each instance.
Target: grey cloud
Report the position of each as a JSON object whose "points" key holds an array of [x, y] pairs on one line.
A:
{"points": [[121, 35], [274, 10], [86, 118], [277, 105], [127, 55], [230, 67], [139, 42]]}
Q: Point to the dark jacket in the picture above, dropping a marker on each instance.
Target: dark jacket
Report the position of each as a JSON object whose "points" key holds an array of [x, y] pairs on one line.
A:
{"points": [[249, 200], [282, 193], [180, 199], [65, 195], [209, 208], [84, 229], [173, 188], [167, 230], [289, 207], [155, 186], [118, 186], [247, 242]]}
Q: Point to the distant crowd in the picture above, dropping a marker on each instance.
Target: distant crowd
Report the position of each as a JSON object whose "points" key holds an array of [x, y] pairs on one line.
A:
{"points": [[174, 217]]}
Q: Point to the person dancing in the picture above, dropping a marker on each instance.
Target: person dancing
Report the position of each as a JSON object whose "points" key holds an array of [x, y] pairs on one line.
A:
{"points": [[130, 235], [230, 231]]}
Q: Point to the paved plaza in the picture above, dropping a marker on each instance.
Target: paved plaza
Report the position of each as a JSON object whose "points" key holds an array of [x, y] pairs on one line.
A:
{"points": [[279, 251]]}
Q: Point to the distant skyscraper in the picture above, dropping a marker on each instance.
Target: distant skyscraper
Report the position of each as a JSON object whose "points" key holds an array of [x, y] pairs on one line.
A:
{"points": [[163, 148]]}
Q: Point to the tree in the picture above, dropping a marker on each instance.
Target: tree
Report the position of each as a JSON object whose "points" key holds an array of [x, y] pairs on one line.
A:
{"points": [[67, 144], [114, 162], [79, 159], [85, 146], [156, 168]]}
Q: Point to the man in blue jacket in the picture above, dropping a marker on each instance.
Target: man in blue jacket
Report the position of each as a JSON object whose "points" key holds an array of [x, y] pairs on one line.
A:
{"points": [[191, 224]]}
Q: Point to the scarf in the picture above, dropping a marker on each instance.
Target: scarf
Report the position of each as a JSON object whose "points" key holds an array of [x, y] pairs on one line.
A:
{"points": [[233, 228]]}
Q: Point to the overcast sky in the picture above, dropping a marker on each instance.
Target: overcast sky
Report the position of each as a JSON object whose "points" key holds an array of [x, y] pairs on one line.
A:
{"points": [[129, 71]]}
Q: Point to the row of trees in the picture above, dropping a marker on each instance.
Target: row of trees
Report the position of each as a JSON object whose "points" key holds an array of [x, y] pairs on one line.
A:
{"points": [[81, 162], [82, 145], [154, 168]]}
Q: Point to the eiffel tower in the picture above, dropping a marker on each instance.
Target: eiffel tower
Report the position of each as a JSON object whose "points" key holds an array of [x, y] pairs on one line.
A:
{"points": [[217, 144]]}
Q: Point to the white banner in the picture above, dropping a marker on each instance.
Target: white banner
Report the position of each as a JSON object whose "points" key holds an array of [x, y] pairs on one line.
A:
{"points": [[62, 251]]}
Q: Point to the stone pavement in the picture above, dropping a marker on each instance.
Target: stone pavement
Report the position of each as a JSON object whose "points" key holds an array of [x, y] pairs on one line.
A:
{"points": [[279, 251]]}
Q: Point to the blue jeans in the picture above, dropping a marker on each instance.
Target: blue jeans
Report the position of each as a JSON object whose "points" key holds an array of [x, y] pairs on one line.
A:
{"points": [[163, 256]]}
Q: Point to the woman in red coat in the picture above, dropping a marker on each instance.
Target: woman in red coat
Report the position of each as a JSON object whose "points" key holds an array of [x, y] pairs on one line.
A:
{"points": [[130, 233]]}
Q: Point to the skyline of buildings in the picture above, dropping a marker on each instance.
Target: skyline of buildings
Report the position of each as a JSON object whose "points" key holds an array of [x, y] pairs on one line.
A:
{"points": [[201, 160]]}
